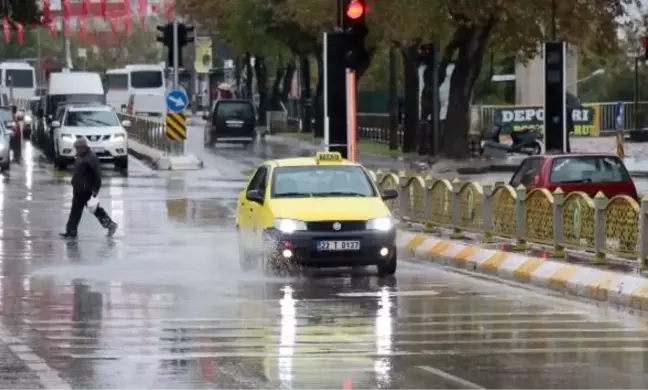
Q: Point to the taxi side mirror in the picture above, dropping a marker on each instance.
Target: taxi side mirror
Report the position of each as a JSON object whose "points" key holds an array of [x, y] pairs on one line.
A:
{"points": [[389, 194], [254, 196]]}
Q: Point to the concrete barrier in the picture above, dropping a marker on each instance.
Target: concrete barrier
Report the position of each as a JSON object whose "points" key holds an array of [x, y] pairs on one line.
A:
{"points": [[161, 160], [612, 288]]}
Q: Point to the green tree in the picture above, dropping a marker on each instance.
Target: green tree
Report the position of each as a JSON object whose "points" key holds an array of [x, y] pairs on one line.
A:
{"points": [[21, 11], [29, 48], [467, 28]]}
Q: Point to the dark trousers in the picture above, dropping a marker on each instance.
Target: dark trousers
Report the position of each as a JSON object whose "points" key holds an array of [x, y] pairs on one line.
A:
{"points": [[16, 147], [79, 201]]}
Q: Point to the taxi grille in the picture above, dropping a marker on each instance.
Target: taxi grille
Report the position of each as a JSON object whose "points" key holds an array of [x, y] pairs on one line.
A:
{"points": [[327, 226]]}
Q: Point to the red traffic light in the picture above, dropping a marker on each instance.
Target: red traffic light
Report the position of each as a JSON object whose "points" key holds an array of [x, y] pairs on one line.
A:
{"points": [[355, 9]]}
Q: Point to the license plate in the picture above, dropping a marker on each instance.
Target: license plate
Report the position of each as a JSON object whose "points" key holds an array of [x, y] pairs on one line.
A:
{"points": [[98, 150], [338, 245]]}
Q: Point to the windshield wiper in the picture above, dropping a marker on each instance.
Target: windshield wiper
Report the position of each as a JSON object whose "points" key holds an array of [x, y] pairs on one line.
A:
{"points": [[293, 195], [341, 193]]}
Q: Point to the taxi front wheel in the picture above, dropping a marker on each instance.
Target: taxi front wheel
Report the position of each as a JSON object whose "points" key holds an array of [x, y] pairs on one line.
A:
{"points": [[388, 268]]}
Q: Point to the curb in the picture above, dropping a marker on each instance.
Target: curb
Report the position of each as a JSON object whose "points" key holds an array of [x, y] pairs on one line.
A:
{"points": [[161, 161], [613, 288]]}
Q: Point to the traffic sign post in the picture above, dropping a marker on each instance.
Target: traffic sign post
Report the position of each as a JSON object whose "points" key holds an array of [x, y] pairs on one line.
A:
{"points": [[177, 102]]}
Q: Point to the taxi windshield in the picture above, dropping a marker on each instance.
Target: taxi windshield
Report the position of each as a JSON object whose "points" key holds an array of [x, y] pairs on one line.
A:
{"points": [[321, 181]]}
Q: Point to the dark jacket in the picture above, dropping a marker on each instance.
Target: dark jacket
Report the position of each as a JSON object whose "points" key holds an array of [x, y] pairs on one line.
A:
{"points": [[87, 174]]}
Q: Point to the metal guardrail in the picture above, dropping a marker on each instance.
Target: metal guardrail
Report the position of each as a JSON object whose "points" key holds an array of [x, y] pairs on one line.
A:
{"points": [[375, 127], [601, 226], [151, 133]]}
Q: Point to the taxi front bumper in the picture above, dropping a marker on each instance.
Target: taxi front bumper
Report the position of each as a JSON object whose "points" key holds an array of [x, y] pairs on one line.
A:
{"points": [[302, 248]]}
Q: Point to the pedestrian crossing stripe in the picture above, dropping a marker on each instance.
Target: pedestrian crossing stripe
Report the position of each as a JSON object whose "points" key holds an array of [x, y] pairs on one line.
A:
{"points": [[176, 126]]}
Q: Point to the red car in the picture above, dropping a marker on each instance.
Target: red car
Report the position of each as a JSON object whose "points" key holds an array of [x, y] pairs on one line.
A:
{"points": [[589, 173]]}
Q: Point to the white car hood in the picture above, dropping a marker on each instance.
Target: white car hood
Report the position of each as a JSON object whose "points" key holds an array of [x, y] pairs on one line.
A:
{"points": [[78, 130]]}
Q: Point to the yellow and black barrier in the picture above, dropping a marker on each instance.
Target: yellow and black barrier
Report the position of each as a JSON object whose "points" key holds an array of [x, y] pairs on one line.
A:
{"points": [[176, 126]]}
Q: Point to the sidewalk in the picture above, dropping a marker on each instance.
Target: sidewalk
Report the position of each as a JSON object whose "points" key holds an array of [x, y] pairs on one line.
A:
{"points": [[636, 158]]}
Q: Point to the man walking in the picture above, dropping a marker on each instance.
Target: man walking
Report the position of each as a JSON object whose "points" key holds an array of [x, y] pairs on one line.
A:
{"points": [[86, 182]]}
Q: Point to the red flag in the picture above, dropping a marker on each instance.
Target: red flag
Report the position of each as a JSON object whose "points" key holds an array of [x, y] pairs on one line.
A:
{"points": [[142, 5], [127, 24], [103, 5], [7, 30], [66, 27], [86, 7], [47, 13], [168, 10], [82, 27], [52, 29], [113, 25], [20, 33], [66, 9]]}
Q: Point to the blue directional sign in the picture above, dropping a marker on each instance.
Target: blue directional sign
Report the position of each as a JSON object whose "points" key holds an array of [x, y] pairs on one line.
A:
{"points": [[177, 101]]}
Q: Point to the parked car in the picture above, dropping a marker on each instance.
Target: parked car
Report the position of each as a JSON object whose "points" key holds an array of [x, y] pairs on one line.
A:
{"points": [[589, 173]]}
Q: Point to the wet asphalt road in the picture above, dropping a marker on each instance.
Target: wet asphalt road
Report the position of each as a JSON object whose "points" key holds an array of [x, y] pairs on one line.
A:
{"points": [[163, 304]]}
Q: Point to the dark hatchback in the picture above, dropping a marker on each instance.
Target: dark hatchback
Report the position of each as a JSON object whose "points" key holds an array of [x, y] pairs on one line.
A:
{"points": [[230, 121]]}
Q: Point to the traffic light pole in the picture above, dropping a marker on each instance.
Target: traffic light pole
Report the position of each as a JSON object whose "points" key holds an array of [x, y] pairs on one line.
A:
{"points": [[176, 54]]}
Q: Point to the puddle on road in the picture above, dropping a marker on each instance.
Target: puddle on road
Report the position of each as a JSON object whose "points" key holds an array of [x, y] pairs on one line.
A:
{"points": [[215, 211]]}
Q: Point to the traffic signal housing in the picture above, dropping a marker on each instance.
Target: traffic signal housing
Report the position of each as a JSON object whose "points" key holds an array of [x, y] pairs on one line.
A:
{"points": [[186, 34], [354, 26], [645, 46]]}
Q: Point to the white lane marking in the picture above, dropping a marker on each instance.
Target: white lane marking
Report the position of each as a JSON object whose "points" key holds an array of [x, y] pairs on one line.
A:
{"points": [[47, 376], [462, 383], [531, 351], [129, 321], [352, 336], [378, 294], [347, 344], [207, 355]]}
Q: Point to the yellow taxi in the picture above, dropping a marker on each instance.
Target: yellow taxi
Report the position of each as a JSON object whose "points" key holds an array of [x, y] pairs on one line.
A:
{"points": [[321, 211]]}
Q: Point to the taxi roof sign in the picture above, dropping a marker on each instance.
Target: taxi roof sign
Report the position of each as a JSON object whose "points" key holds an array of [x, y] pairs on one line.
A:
{"points": [[328, 157]]}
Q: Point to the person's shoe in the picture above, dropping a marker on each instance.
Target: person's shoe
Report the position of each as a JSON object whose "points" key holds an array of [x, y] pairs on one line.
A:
{"points": [[68, 235], [112, 228]]}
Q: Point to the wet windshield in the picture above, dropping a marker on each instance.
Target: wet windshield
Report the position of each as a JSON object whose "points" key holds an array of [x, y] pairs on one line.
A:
{"points": [[588, 169], [91, 119], [321, 181]]}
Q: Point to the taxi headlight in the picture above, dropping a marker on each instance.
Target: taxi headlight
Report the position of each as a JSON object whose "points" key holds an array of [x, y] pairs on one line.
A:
{"points": [[285, 225], [67, 136], [119, 136], [382, 223]]}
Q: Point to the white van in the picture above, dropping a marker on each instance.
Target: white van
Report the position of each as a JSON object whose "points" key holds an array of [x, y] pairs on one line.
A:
{"points": [[69, 87], [147, 106], [133, 79], [18, 79], [74, 87]]}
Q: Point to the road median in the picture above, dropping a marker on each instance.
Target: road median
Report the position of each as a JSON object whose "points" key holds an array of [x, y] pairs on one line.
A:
{"points": [[161, 160], [608, 287]]}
